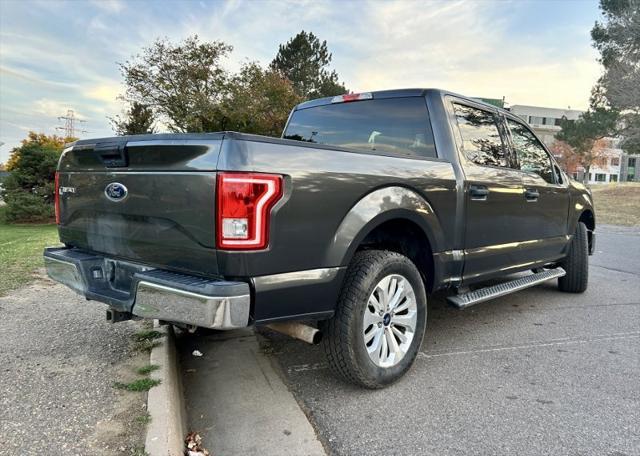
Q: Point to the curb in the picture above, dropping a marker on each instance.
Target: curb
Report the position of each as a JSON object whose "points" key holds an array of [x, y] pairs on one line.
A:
{"points": [[165, 402], [240, 399]]}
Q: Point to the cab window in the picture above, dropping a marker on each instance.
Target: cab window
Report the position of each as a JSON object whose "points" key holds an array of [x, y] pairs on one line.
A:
{"points": [[531, 154], [481, 141], [394, 126]]}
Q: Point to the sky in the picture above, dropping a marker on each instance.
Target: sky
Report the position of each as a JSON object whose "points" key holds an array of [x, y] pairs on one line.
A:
{"points": [[60, 55]]}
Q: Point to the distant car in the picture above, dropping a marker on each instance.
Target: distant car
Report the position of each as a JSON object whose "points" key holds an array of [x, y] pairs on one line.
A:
{"points": [[367, 204]]}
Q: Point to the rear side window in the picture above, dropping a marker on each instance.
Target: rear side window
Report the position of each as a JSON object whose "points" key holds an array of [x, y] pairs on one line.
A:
{"points": [[481, 141], [397, 126], [531, 155]]}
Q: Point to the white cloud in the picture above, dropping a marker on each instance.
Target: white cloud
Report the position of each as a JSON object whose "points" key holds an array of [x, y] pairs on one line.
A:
{"points": [[464, 47], [106, 92], [111, 6], [52, 108]]}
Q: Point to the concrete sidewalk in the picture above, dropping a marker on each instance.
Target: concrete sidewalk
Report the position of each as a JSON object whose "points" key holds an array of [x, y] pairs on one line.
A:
{"points": [[238, 402]]}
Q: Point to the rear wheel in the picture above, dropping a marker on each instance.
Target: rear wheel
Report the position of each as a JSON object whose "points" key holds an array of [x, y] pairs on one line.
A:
{"points": [[379, 323], [576, 263]]}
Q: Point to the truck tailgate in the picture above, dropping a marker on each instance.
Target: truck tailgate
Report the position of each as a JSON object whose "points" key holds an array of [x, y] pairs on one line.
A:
{"points": [[149, 201]]}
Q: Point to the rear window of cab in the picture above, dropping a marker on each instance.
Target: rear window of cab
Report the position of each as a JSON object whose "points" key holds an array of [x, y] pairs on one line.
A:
{"points": [[393, 126]]}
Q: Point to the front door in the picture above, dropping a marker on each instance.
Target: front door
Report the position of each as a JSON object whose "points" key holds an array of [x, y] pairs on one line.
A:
{"points": [[546, 195]]}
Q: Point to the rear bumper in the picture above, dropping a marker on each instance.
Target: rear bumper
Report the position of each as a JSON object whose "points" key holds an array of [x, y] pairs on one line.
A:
{"points": [[151, 293]]}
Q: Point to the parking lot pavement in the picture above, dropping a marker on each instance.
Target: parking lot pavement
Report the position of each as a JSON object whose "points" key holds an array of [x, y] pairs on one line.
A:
{"points": [[58, 361], [536, 372]]}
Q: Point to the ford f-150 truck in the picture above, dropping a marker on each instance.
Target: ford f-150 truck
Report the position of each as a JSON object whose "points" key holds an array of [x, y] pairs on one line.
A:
{"points": [[339, 230]]}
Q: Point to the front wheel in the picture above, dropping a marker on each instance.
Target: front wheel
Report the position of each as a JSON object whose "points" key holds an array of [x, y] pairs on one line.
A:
{"points": [[576, 263], [379, 323]]}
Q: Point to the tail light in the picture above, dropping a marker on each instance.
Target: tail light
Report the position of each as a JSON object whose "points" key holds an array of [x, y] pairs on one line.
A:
{"points": [[56, 198], [244, 202]]}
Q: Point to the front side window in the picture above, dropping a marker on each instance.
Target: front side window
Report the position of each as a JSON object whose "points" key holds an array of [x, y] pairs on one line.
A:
{"points": [[481, 142], [531, 155], [396, 126]]}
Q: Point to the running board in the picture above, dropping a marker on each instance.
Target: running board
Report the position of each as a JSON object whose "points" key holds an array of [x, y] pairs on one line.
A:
{"points": [[462, 301]]}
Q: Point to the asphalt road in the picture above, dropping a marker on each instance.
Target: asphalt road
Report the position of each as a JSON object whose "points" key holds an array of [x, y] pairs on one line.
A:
{"points": [[537, 372]]}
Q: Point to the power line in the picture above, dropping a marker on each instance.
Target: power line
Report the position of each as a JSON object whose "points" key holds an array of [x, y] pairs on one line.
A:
{"points": [[69, 126]]}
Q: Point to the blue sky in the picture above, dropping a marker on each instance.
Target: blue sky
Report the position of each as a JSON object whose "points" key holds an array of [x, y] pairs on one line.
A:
{"points": [[56, 56]]}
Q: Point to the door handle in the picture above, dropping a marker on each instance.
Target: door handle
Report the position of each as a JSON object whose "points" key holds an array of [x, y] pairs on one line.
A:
{"points": [[478, 192], [531, 194]]}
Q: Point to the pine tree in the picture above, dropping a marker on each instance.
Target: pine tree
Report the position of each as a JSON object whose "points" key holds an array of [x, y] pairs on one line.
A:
{"points": [[304, 60], [138, 120]]}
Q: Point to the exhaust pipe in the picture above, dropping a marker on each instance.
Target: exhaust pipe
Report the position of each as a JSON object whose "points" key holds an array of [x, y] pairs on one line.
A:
{"points": [[297, 330]]}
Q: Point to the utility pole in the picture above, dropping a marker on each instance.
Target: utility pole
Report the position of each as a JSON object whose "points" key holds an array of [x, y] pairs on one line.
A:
{"points": [[69, 126]]}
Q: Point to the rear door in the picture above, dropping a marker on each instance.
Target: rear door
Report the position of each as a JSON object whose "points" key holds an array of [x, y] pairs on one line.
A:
{"points": [[545, 192], [494, 204]]}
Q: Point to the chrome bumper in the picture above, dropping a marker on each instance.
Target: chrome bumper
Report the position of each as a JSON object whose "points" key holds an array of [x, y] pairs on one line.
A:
{"points": [[171, 304], [151, 293]]}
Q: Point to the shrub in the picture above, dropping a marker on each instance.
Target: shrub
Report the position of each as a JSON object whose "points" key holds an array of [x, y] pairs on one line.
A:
{"points": [[29, 188], [23, 206]]}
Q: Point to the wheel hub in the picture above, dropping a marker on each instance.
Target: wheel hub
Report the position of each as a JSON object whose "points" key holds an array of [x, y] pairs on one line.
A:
{"points": [[390, 320]]}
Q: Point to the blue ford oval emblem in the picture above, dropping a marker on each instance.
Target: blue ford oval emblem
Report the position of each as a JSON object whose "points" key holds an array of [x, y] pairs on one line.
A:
{"points": [[116, 191]]}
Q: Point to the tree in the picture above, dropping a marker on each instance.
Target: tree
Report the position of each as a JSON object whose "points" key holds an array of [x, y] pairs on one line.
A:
{"points": [[566, 156], [186, 86], [582, 134], [259, 101], [618, 41], [571, 161], [304, 60], [182, 84], [29, 188], [138, 120]]}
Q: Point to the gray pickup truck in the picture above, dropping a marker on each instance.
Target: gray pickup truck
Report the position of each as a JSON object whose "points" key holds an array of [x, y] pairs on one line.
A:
{"points": [[337, 231]]}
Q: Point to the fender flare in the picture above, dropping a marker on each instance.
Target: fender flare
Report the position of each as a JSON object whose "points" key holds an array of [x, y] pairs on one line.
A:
{"points": [[580, 204], [377, 207]]}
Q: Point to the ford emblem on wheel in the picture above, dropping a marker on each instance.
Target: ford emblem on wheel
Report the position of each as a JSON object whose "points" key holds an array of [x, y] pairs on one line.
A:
{"points": [[116, 191]]}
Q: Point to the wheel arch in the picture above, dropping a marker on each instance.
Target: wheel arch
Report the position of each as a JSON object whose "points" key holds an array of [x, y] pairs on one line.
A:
{"points": [[588, 218], [396, 218]]}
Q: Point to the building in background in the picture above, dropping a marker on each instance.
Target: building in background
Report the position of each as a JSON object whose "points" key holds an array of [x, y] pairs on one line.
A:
{"points": [[544, 121], [628, 168], [614, 166]]}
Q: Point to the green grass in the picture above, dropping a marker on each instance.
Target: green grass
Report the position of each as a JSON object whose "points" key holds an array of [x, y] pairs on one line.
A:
{"points": [[144, 419], [146, 370], [139, 451], [21, 251], [142, 384], [145, 335], [146, 340]]}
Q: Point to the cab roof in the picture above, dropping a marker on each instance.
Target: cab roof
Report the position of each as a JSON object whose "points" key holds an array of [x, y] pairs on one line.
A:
{"points": [[401, 93]]}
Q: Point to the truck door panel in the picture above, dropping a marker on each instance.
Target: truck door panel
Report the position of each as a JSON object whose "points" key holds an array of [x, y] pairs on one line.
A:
{"points": [[494, 203], [545, 194]]}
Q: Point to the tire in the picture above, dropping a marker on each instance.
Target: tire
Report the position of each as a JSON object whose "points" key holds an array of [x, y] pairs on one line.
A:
{"points": [[576, 263], [354, 339]]}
